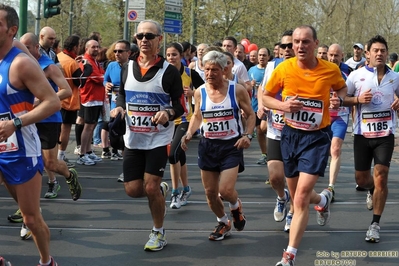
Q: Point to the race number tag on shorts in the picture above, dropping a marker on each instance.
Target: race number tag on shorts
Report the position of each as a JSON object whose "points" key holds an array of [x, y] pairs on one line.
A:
{"points": [[11, 143], [278, 119], [376, 124], [140, 115], [309, 117], [218, 123]]}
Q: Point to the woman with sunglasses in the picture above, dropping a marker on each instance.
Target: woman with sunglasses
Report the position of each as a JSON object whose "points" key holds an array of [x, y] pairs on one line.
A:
{"points": [[177, 157]]}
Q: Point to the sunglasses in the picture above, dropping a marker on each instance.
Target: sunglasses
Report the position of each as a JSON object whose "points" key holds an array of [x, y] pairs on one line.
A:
{"points": [[119, 51], [286, 45], [148, 36]]}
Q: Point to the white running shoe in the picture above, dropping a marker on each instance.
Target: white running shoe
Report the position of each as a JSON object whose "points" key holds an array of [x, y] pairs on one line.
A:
{"points": [[369, 200], [92, 156], [373, 234], [85, 160], [25, 232], [184, 197], [280, 211], [175, 202], [77, 150], [288, 221], [323, 213]]}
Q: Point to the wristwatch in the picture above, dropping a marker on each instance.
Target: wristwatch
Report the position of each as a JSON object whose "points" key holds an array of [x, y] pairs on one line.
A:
{"points": [[248, 136], [169, 113], [17, 123]]}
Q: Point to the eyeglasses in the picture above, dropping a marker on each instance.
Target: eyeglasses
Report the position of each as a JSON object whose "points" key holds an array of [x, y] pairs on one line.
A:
{"points": [[119, 51], [286, 45], [148, 36]]}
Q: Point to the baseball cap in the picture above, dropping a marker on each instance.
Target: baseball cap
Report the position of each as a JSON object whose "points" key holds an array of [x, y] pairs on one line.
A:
{"points": [[117, 126], [393, 57], [358, 45]]}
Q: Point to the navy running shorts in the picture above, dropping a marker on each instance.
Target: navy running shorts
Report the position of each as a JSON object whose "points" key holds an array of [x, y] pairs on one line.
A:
{"points": [[305, 151], [218, 155]]}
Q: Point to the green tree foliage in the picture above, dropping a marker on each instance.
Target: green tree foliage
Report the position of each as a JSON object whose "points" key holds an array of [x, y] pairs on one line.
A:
{"points": [[261, 21]]}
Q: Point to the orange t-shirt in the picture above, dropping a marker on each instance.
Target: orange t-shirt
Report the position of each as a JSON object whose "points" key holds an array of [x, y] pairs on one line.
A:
{"points": [[312, 86]]}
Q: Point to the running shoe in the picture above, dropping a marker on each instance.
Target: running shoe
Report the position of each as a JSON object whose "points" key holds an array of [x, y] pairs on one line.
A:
{"points": [[105, 155], [52, 263], [4, 262], [280, 211], [221, 231], [53, 189], [92, 156], [360, 188], [323, 213], [97, 145], [287, 260], [16, 217], [239, 220], [116, 156], [267, 182], [68, 163], [85, 160], [121, 178], [25, 232], [333, 193], [184, 197], [175, 202], [288, 221], [156, 242], [164, 190], [74, 186], [369, 201], [262, 160], [77, 150], [373, 234]]}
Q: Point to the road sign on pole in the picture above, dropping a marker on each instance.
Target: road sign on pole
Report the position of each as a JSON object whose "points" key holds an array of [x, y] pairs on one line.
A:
{"points": [[136, 12], [173, 16]]}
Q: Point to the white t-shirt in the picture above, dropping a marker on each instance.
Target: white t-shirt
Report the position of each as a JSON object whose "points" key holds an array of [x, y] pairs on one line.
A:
{"points": [[352, 63]]}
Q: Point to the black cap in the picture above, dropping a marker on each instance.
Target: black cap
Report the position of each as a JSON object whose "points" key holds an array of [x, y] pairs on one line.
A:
{"points": [[134, 48], [393, 57], [117, 126]]}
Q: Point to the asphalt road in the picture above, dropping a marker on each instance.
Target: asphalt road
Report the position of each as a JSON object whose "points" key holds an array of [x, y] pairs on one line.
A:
{"points": [[106, 227]]}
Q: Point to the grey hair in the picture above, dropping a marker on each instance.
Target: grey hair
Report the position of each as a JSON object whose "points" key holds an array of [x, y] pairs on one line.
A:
{"points": [[215, 57], [159, 28]]}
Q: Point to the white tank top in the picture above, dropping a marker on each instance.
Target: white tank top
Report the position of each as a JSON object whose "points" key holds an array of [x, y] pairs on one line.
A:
{"points": [[143, 100], [199, 70], [221, 120]]}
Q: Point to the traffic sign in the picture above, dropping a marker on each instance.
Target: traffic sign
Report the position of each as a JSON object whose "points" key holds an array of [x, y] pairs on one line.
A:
{"points": [[176, 9], [173, 2], [133, 4], [173, 22], [173, 15], [174, 30], [135, 15], [132, 15]]}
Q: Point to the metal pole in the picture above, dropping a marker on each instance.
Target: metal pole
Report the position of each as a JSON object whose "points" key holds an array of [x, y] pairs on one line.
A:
{"points": [[38, 18], [193, 38], [70, 16], [23, 17], [126, 23]]}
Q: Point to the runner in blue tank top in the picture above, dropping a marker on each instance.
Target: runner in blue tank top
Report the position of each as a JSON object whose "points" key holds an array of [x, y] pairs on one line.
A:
{"points": [[21, 165]]}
